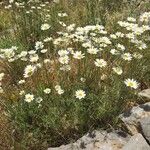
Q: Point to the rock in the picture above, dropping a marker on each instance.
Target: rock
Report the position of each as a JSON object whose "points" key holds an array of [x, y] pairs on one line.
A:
{"points": [[137, 142], [145, 126], [145, 93], [131, 119], [98, 140]]}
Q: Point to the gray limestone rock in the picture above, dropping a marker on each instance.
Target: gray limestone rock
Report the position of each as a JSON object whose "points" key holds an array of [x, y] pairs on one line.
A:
{"points": [[137, 142], [145, 93], [145, 126], [98, 140], [132, 117]]}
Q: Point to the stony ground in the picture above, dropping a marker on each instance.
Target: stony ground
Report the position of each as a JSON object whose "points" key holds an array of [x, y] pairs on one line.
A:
{"points": [[136, 120]]}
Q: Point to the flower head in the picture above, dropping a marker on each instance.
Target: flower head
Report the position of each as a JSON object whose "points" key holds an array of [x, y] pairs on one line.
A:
{"points": [[117, 70], [80, 94], [47, 90], [29, 97], [100, 63], [29, 70], [131, 83], [45, 26], [78, 55]]}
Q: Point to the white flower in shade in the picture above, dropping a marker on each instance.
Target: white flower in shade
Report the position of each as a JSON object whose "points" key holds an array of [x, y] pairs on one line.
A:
{"points": [[1, 76], [78, 55], [56, 1], [131, 19], [65, 68], [39, 99], [63, 53], [80, 94], [137, 55], [32, 52], [38, 65], [9, 53], [57, 87], [43, 51], [117, 70], [64, 59], [113, 36], [23, 54], [29, 98], [21, 81], [45, 26], [114, 52], [100, 63], [29, 70], [121, 47], [92, 50], [48, 39], [39, 45], [47, 90], [11, 1], [60, 91], [103, 76], [131, 83], [34, 58], [47, 61], [1, 90], [127, 56], [22, 92], [82, 79], [62, 14]]}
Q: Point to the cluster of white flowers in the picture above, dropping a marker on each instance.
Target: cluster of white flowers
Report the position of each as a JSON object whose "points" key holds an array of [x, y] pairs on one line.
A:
{"points": [[74, 44], [9, 53]]}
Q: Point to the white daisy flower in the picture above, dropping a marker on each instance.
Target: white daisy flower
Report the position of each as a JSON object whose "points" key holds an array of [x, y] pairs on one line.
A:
{"points": [[45, 26], [92, 50], [127, 56], [80, 94], [47, 90], [78, 55], [117, 70], [34, 58], [21, 82], [131, 83], [63, 53], [100, 63], [29, 98], [29, 70], [60, 91], [39, 45], [64, 59]]}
